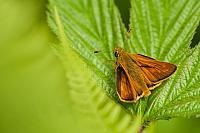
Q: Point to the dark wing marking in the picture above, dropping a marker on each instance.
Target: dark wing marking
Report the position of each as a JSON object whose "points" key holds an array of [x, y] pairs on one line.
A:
{"points": [[124, 89]]}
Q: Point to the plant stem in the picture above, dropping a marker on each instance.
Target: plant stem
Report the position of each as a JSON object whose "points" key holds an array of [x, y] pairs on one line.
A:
{"points": [[141, 129]]}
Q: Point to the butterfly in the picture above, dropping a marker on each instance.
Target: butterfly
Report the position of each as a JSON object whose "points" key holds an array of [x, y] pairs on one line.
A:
{"points": [[137, 75]]}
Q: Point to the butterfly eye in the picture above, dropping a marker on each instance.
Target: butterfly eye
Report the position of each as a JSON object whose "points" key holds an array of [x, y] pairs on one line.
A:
{"points": [[116, 54]]}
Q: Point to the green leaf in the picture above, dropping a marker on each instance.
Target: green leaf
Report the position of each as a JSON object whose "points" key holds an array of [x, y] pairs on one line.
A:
{"points": [[93, 25], [160, 29], [164, 30], [180, 96], [90, 104]]}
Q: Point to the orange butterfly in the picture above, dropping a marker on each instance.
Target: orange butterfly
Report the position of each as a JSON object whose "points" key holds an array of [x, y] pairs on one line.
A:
{"points": [[138, 74]]}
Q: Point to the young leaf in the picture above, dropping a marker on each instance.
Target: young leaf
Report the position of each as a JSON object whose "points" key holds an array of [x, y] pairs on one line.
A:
{"points": [[160, 29], [90, 26], [90, 104], [180, 96], [164, 30]]}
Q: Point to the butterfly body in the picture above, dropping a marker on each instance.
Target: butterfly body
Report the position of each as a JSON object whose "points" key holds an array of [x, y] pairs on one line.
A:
{"points": [[138, 74]]}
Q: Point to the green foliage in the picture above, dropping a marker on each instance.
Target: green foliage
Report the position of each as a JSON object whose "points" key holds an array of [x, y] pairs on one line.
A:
{"points": [[86, 98], [160, 29], [164, 30]]}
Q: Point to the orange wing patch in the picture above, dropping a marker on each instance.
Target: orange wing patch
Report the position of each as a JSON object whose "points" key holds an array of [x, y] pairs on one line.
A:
{"points": [[155, 71]]}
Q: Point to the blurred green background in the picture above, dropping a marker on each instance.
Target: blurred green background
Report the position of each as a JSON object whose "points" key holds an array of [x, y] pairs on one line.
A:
{"points": [[33, 96]]}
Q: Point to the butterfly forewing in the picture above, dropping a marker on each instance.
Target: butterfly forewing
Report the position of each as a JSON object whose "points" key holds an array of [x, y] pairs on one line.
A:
{"points": [[155, 71]]}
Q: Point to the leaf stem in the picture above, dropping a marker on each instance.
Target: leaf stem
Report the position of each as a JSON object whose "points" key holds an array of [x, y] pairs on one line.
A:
{"points": [[141, 129]]}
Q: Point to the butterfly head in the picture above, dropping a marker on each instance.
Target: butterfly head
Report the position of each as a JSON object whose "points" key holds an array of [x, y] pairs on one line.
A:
{"points": [[118, 52]]}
